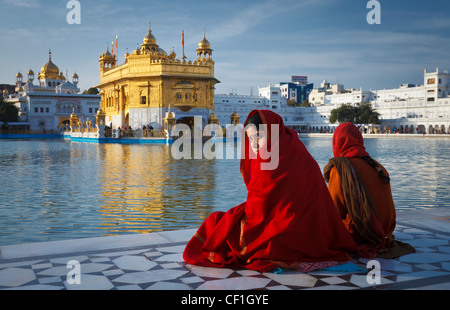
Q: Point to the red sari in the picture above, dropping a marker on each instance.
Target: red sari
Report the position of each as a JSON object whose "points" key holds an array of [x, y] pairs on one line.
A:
{"points": [[288, 218]]}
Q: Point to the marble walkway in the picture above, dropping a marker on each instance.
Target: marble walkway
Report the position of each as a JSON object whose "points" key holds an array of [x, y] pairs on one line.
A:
{"points": [[154, 262]]}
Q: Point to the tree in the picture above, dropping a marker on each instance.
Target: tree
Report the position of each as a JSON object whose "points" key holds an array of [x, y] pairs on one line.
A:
{"points": [[93, 91], [291, 103], [344, 113], [367, 115], [363, 114], [8, 111], [305, 103]]}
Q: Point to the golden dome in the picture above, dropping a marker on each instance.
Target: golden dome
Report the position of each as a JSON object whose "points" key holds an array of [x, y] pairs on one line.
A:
{"points": [[162, 52], [50, 68], [204, 44], [107, 53], [149, 38], [30, 72], [19, 75]]}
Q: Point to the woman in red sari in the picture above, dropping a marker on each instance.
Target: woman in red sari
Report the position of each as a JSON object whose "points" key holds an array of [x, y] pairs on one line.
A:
{"points": [[288, 220]]}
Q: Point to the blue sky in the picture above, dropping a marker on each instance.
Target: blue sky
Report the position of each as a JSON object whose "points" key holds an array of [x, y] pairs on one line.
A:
{"points": [[255, 42]]}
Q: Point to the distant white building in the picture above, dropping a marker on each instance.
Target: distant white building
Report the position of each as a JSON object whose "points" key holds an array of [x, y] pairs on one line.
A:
{"points": [[409, 108], [273, 98], [268, 98], [47, 105]]}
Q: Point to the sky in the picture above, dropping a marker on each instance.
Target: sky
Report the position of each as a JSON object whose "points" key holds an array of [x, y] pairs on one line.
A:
{"points": [[255, 42]]}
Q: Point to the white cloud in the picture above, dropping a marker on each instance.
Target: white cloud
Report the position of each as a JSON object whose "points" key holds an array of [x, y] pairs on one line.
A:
{"points": [[251, 16], [23, 3]]}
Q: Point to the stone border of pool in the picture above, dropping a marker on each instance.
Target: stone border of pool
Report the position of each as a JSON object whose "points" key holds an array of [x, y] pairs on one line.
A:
{"points": [[153, 261], [379, 135]]}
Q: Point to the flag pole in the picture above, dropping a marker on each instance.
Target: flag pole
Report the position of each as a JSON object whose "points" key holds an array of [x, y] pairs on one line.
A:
{"points": [[117, 52], [112, 49], [182, 42]]}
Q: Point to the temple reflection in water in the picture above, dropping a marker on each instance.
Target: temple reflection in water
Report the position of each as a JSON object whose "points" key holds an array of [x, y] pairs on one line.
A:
{"points": [[144, 189]]}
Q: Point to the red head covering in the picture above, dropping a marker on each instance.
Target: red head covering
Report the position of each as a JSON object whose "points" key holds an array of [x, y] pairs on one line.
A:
{"points": [[289, 216], [348, 141]]}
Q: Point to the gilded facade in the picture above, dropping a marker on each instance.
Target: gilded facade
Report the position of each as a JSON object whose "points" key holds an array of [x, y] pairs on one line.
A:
{"points": [[140, 91]]}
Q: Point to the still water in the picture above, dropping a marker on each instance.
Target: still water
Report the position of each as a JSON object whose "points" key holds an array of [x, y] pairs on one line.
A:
{"points": [[56, 190]]}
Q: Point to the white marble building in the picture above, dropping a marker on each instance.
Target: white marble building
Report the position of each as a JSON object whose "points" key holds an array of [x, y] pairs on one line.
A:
{"points": [[408, 108], [271, 98], [45, 106], [268, 98]]}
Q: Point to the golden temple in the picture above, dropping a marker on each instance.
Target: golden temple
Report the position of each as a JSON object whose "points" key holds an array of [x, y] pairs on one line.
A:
{"points": [[152, 85]]}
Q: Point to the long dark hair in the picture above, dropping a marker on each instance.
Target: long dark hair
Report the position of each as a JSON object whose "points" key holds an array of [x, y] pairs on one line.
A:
{"points": [[374, 164], [255, 119]]}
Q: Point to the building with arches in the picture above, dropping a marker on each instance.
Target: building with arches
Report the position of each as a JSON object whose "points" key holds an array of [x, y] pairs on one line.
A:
{"points": [[416, 108], [48, 104], [409, 108], [140, 91], [423, 109]]}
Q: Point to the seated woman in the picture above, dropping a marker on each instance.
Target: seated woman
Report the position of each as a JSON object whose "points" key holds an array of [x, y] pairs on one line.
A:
{"points": [[288, 220], [361, 191]]}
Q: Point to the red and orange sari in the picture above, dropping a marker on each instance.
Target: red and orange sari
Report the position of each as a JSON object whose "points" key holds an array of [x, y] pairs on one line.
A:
{"points": [[363, 200], [288, 220]]}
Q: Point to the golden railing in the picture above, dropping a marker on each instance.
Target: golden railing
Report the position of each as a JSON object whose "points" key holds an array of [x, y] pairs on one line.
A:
{"points": [[138, 133], [142, 133]]}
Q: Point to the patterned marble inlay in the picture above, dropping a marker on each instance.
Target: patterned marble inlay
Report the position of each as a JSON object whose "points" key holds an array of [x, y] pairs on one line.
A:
{"points": [[160, 266]]}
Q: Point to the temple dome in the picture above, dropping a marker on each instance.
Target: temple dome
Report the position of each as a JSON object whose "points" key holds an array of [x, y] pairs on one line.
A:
{"points": [[50, 70], [162, 52], [50, 67], [204, 43], [149, 38]]}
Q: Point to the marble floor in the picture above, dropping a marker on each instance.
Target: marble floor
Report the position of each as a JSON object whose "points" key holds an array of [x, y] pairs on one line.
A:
{"points": [[154, 262]]}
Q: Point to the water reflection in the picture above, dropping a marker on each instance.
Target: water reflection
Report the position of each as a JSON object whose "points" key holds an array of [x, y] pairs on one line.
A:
{"points": [[418, 168], [53, 190], [144, 189]]}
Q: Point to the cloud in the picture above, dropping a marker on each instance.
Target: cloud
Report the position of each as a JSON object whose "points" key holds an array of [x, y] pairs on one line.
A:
{"points": [[23, 3], [252, 16]]}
